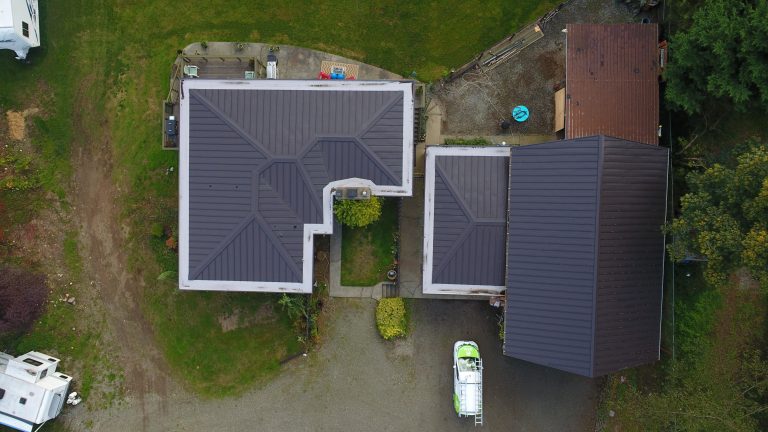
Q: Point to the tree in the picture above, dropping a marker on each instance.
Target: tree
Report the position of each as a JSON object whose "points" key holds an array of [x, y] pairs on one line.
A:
{"points": [[22, 296], [725, 216], [720, 56], [358, 213]]}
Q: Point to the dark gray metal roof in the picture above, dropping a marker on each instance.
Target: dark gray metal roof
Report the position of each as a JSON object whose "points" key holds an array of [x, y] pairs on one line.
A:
{"points": [[630, 257], [470, 220], [585, 254], [258, 162]]}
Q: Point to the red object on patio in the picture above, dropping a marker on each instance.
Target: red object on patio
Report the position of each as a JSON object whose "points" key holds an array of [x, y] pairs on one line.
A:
{"points": [[324, 76]]}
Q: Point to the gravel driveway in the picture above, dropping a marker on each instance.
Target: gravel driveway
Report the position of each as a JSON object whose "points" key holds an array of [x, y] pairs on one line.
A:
{"points": [[357, 382]]}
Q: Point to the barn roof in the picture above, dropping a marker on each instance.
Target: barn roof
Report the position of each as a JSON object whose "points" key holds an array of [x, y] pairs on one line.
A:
{"points": [[585, 254], [612, 81]]}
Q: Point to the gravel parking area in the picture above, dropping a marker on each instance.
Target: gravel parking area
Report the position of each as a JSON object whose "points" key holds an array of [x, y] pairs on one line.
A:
{"points": [[477, 102], [357, 382]]}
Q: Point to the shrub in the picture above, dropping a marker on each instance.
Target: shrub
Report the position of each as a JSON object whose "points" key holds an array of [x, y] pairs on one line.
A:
{"points": [[391, 318], [22, 296], [157, 230], [18, 174], [357, 213], [467, 142]]}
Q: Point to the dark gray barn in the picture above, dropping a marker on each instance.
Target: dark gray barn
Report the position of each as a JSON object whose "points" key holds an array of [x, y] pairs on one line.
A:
{"points": [[585, 254]]}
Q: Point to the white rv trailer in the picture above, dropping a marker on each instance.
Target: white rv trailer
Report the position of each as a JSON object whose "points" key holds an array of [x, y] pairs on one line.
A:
{"points": [[31, 390], [19, 26]]}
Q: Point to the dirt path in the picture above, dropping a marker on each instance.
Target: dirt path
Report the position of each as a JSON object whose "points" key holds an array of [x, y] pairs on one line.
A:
{"points": [[102, 238]]}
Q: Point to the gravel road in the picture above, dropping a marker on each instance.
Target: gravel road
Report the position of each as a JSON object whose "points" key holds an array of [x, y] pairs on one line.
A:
{"points": [[357, 382]]}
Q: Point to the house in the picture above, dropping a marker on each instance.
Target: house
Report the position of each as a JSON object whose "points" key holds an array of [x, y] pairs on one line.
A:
{"points": [[31, 391], [571, 232], [465, 220], [611, 82], [19, 26], [260, 162]]}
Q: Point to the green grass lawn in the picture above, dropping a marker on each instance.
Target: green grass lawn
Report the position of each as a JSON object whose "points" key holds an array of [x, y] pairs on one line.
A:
{"points": [[367, 253], [222, 342], [100, 77]]}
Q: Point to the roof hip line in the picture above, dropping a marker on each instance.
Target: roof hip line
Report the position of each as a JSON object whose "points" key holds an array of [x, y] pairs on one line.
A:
{"points": [[225, 118]]}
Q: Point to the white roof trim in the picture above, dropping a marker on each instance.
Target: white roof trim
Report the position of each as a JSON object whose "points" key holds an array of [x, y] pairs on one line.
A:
{"points": [[305, 287], [428, 287]]}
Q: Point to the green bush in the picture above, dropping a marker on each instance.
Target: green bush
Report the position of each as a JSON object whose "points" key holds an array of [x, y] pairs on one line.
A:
{"points": [[357, 213], [157, 230], [467, 142], [17, 173], [391, 318]]}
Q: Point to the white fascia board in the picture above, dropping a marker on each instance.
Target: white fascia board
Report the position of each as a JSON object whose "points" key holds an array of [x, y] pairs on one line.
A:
{"points": [[463, 290], [305, 286], [15, 423], [428, 287]]}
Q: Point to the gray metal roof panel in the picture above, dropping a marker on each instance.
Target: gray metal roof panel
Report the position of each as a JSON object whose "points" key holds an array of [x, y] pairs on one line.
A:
{"points": [[470, 220], [258, 162], [630, 257], [553, 193], [585, 254]]}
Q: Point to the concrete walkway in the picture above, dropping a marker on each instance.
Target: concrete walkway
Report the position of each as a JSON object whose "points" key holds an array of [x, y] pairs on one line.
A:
{"points": [[293, 62], [411, 239], [434, 123]]}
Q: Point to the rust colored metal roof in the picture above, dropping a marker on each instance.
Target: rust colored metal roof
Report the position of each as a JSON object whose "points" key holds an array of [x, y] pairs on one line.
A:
{"points": [[612, 83]]}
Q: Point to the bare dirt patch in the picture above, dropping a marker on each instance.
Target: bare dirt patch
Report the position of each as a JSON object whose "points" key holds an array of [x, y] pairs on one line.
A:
{"points": [[103, 242], [476, 103], [237, 319], [17, 123]]}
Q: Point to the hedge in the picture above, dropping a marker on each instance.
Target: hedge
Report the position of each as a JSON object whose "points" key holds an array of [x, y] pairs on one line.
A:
{"points": [[391, 318]]}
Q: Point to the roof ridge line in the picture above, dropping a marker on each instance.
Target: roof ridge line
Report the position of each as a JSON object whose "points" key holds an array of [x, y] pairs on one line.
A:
{"points": [[304, 176], [454, 191], [226, 241], [279, 246], [367, 127], [237, 129], [470, 219], [456, 245], [596, 250], [375, 159]]}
